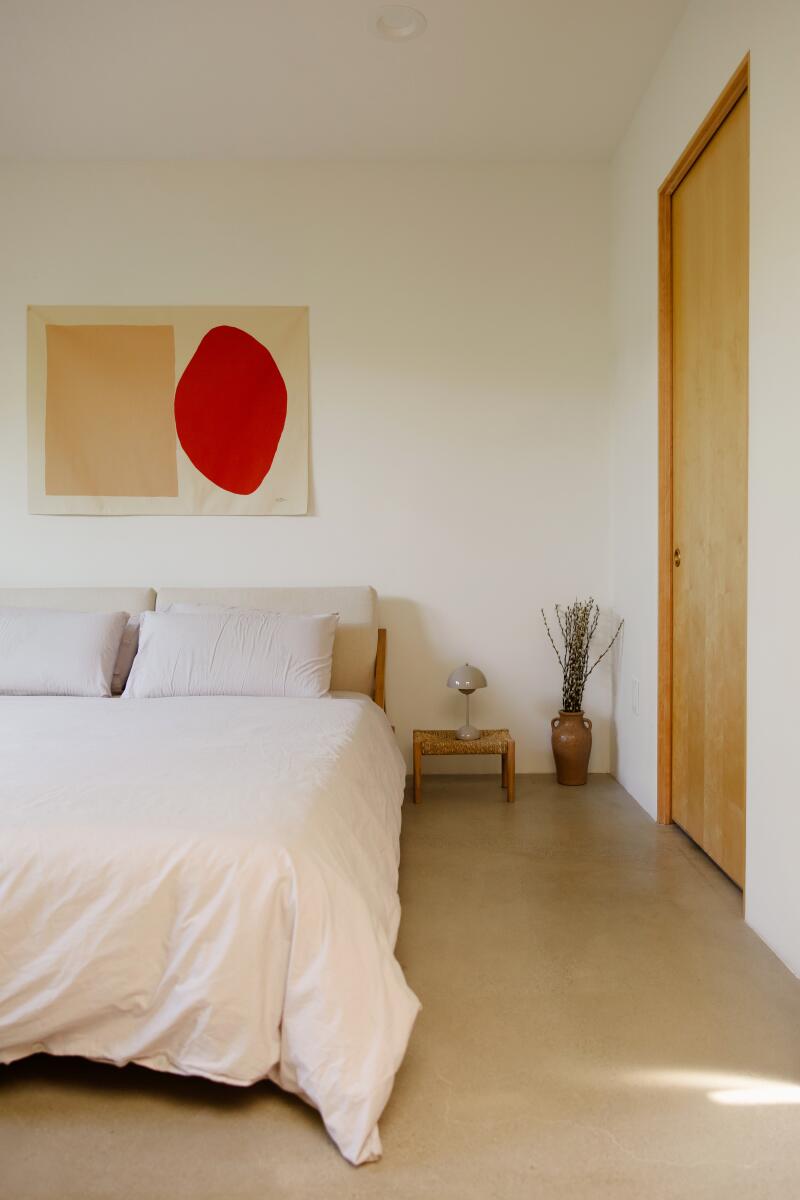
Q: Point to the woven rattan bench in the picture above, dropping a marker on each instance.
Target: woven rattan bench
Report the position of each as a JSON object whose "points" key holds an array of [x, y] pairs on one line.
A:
{"points": [[444, 741]]}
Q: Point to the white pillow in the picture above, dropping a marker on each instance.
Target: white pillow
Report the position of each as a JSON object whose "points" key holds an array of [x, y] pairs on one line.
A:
{"points": [[233, 652], [45, 652]]}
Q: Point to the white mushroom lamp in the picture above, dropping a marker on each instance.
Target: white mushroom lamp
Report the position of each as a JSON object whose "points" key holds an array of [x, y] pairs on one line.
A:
{"points": [[467, 679]]}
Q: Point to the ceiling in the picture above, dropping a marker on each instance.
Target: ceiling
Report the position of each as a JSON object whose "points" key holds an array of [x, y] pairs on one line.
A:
{"points": [[496, 80]]}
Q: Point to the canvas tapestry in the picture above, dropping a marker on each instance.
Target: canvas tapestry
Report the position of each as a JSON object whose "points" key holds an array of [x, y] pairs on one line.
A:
{"points": [[168, 410]]}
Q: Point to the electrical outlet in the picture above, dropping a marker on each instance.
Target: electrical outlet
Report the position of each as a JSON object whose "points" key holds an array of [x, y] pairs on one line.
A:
{"points": [[635, 695]]}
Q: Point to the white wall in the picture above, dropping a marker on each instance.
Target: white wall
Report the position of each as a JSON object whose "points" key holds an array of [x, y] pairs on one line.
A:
{"points": [[708, 45], [459, 360]]}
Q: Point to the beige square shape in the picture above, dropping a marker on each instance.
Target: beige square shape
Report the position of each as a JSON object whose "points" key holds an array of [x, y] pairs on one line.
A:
{"points": [[283, 330], [109, 424]]}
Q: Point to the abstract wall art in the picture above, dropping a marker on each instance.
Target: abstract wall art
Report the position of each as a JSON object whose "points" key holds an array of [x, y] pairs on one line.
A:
{"points": [[183, 410]]}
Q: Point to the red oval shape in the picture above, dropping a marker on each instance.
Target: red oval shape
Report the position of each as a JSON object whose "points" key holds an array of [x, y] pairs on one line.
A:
{"points": [[230, 409]]}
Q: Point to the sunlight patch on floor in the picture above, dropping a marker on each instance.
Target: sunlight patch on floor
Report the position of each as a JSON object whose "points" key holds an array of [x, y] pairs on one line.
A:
{"points": [[724, 1088]]}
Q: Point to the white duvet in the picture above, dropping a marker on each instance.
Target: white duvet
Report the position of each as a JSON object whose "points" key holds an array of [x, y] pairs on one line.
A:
{"points": [[207, 886]]}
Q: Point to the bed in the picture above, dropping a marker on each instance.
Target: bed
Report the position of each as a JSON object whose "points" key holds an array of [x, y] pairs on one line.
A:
{"points": [[208, 885]]}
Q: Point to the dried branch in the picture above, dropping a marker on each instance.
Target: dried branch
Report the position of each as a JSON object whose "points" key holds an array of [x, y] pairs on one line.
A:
{"points": [[552, 643], [578, 624], [600, 657]]}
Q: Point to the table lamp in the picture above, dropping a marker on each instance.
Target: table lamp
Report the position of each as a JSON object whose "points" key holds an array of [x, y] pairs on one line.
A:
{"points": [[467, 679]]}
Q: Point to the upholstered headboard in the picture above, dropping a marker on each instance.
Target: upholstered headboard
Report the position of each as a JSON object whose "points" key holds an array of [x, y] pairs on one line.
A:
{"points": [[354, 650], [81, 599], [358, 651]]}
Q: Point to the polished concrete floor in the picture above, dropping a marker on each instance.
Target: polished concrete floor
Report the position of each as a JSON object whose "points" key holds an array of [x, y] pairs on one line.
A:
{"points": [[598, 1022]]}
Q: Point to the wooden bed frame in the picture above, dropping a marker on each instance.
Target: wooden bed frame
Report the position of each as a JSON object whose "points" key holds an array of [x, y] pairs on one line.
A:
{"points": [[379, 688]]}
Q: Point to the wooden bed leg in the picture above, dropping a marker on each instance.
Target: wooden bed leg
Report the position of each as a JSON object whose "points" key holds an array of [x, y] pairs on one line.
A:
{"points": [[417, 773], [510, 770]]}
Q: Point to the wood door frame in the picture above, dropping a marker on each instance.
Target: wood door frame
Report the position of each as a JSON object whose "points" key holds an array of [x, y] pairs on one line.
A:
{"points": [[736, 87]]}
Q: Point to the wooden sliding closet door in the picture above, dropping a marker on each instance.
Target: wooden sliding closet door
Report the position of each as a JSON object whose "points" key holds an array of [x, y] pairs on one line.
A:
{"points": [[709, 239]]}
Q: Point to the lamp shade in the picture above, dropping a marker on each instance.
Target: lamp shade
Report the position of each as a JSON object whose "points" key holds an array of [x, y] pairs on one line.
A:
{"points": [[467, 678]]}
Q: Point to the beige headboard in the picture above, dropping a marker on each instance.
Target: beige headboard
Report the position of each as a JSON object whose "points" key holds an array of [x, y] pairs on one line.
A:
{"points": [[355, 647], [81, 599], [358, 651]]}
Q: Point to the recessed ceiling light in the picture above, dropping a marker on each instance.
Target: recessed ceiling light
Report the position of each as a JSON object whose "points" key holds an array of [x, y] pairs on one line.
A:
{"points": [[397, 22]]}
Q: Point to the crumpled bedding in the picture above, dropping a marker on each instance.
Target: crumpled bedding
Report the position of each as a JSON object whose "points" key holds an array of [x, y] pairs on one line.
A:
{"points": [[207, 886]]}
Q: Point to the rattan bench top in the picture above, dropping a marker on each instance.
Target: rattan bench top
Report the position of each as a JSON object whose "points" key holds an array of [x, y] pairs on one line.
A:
{"points": [[444, 741]]}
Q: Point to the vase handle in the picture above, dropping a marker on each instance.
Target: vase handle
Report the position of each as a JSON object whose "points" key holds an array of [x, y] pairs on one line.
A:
{"points": [[556, 721], [587, 723]]}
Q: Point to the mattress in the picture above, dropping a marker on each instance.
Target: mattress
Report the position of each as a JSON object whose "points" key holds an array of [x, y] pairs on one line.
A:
{"points": [[207, 886]]}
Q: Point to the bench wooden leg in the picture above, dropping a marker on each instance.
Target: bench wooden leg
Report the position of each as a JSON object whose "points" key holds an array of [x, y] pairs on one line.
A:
{"points": [[417, 774], [510, 769], [504, 770]]}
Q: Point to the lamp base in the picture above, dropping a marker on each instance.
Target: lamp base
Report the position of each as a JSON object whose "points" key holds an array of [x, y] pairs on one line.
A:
{"points": [[467, 733]]}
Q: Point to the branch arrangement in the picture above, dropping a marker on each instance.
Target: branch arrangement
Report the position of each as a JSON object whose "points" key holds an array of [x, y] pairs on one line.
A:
{"points": [[578, 624]]}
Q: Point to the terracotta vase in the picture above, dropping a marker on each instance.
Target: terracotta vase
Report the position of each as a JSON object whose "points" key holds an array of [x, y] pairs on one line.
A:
{"points": [[572, 745]]}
